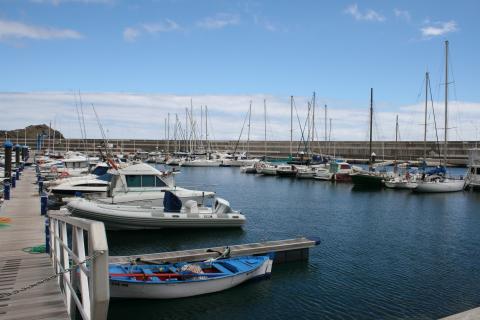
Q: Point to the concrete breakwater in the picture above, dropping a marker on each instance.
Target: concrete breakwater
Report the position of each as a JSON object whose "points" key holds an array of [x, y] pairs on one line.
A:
{"points": [[355, 150]]}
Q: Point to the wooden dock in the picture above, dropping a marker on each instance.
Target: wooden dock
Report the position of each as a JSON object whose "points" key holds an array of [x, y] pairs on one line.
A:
{"points": [[285, 250], [473, 314], [18, 268]]}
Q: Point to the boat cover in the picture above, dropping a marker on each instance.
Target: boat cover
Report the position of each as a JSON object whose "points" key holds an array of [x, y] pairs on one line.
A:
{"points": [[171, 203], [438, 170]]}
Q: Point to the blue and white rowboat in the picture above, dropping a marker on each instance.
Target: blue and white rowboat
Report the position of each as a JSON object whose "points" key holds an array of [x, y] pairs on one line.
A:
{"points": [[179, 280]]}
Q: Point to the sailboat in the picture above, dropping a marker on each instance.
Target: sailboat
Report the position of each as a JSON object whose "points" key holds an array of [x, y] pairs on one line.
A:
{"points": [[370, 178], [440, 183], [401, 180]]}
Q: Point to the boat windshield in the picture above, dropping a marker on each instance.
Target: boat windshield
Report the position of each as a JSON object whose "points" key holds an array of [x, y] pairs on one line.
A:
{"points": [[139, 181]]}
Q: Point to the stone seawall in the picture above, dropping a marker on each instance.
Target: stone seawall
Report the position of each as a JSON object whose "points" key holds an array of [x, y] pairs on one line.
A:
{"points": [[405, 150]]}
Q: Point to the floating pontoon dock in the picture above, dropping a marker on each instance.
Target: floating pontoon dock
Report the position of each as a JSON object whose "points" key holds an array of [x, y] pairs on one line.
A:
{"points": [[285, 250]]}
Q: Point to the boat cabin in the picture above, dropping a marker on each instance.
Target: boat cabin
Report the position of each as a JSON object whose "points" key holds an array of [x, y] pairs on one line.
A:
{"points": [[140, 177]]}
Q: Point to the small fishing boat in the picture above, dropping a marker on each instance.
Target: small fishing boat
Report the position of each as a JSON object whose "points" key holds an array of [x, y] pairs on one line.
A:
{"points": [[173, 214], [180, 280]]}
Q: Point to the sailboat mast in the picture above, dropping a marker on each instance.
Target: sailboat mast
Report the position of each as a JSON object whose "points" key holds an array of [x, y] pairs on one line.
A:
{"points": [[371, 127], [313, 121], [248, 135], [206, 128], [168, 133], [265, 118], [446, 104], [291, 124], [396, 140], [427, 80], [326, 145]]}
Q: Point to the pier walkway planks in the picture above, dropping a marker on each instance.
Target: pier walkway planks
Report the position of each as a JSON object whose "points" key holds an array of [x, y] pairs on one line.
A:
{"points": [[18, 268]]}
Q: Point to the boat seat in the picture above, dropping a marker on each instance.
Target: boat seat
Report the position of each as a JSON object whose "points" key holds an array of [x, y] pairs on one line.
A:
{"points": [[222, 269], [191, 206], [147, 272]]}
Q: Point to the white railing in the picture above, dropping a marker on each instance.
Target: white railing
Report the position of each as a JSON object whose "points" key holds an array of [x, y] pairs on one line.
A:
{"points": [[86, 287]]}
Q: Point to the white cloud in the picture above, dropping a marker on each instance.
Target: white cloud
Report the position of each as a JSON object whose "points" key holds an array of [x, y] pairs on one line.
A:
{"points": [[219, 21], [58, 2], [167, 26], [367, 15], [132, 33], [18, 30], [141, 116], [439, 29], [403, 14], [266, 24]]}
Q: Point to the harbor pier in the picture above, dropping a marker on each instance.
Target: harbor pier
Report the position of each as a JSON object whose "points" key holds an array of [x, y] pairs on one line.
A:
{"points": [[39, 285], [23, 230]]}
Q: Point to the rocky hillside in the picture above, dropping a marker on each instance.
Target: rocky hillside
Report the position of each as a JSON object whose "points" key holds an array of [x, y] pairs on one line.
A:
{"points": [[32, 132]]}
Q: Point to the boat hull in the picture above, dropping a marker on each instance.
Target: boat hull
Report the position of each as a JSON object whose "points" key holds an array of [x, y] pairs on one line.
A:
{"points": [[200, 163], [439, 187], [400, 185], [269, 171], [116, 217], [342, 177], [174, 290], [367, 180]]}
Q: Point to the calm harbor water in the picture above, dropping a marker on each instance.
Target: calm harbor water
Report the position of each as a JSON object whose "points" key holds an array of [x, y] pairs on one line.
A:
{"points": [[384, 254]]}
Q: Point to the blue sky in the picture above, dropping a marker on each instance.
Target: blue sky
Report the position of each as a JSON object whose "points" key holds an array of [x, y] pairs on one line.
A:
{"points": [[241, 48]]}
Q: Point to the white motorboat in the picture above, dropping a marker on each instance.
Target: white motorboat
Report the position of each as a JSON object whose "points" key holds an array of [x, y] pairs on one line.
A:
{"points": [[100, 169], [323, 174], [173, 214], [142, 184], [305, 172], [268, 169], [137, 184], [179, 280], [74, 165]]}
